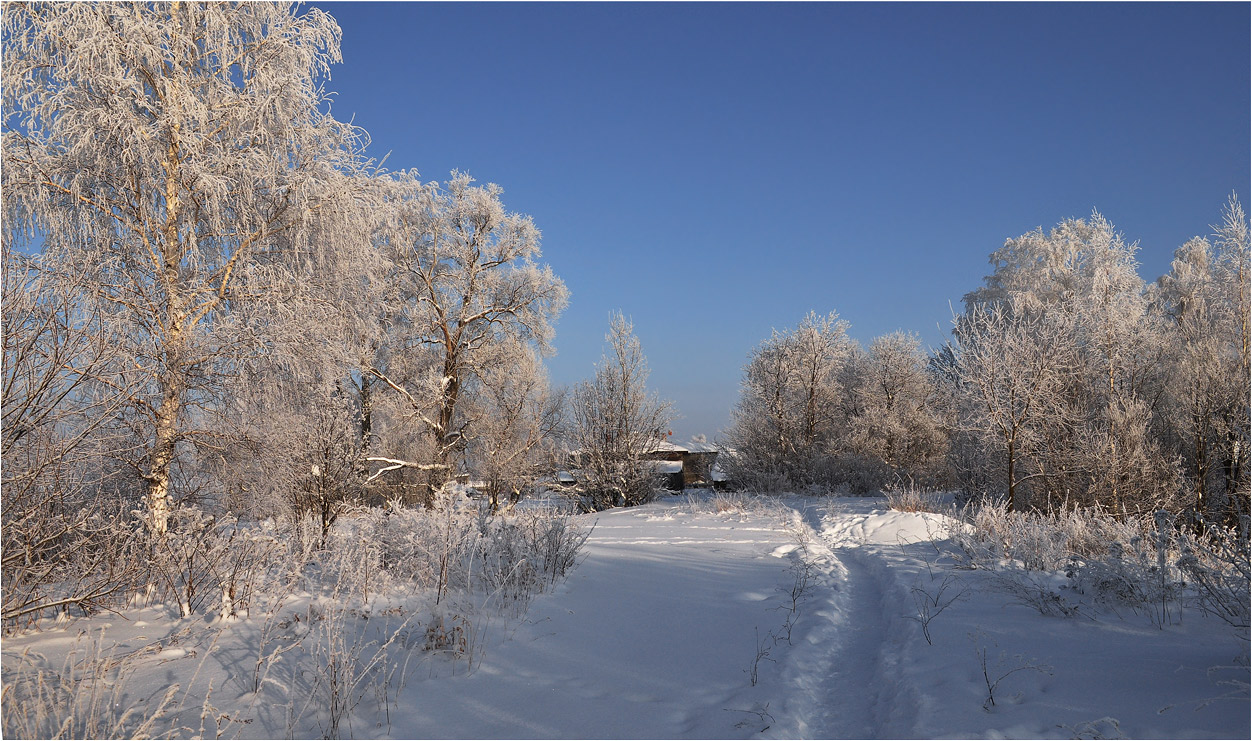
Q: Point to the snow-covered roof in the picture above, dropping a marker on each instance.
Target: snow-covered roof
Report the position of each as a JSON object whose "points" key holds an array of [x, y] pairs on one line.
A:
{"points": [[665, 446]]}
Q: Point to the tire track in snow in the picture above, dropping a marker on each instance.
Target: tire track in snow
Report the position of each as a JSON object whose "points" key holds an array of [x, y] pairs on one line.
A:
{"points": [[856, 688]]}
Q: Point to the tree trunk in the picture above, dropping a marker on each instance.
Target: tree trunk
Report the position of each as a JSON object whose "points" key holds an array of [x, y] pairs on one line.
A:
{"points": [[1012, 450], [164, 446], [172, 381], [367, 413], [445, 438]]}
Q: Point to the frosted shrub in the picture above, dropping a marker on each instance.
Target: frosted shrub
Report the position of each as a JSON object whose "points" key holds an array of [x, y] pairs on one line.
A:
{"points": [[206, 559], [757, 477], [457, 547], [1145, 564], [730, 501], [1217, 564], [554, 540], [990, 532], [354, 559], [505, 566], [304, 537], [351, 661], [1137, 573], [91, 564], [911, 498], [858, 475]]}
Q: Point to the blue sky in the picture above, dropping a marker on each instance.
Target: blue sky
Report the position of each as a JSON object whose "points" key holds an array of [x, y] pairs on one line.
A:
{"points": [[717, 170]]}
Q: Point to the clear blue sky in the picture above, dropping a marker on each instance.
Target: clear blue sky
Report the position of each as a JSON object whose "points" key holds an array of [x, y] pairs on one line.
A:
{"points": [[717, 170]]}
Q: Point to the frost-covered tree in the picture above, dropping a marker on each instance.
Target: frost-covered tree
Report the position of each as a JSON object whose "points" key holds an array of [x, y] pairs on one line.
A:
{"points": [[520, 419], [789, 419], [60, 528], [615, 421], [1015, 368], [1122, 352], [1205, 299], [296, 451], [181, 158], [1082, 276], [894, 421], [464, 281]]}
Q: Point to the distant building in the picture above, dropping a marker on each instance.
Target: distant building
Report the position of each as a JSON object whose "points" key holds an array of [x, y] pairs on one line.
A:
{"points": [[679, 467], [695, 463]]}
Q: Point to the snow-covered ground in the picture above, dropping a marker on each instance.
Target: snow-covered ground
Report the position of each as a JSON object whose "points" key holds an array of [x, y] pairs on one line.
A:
{"points": [[789, 618]]}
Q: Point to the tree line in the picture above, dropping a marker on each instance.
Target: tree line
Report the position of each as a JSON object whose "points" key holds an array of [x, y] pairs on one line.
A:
{"points": [[1069, 381]]}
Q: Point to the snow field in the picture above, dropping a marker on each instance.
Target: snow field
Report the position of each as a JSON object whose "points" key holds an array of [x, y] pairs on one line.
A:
{"points": [[710, 617]]}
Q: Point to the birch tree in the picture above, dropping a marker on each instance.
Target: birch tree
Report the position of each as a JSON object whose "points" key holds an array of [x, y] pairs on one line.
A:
{"points": [[1015, 368], [1082, 276], [616, 421], [181, 157], [520, 420]]}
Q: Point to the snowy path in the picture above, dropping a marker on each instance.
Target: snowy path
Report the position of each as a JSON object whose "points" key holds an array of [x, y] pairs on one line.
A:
{"points": [[1114, 675], [658, 633], [651, 637], [864, 697]]}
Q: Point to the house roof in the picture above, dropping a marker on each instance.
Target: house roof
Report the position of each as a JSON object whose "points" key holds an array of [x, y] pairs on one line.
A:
{"points": [[665, 446]]}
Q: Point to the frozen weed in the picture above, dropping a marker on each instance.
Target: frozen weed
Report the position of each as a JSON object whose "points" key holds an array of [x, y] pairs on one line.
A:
{"points": [[762, 648], [90, 695], [1100, 728], [763, 717], [1002, 667], [930, 604], [1217, 563], [1139, 563], [910, 497], [207, 558]]}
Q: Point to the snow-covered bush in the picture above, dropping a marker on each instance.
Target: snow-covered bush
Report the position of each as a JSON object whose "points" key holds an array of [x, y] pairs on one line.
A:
{"points": [[90, 559], [1217, 563], [761, 477], [1138, 572], [730, 501], [457, 546], [989, 533], [553, 541], [205, 558], [1136, 562], [910, 497], [394, 583]]}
